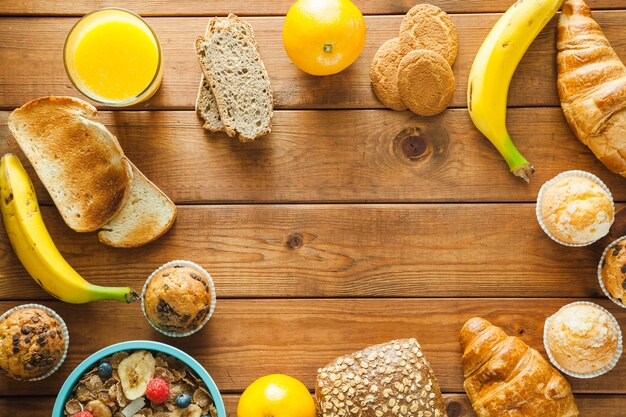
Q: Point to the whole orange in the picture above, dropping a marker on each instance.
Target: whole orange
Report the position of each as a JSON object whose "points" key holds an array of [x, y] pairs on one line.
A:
{"points": [[276, 395], [323, 37]]}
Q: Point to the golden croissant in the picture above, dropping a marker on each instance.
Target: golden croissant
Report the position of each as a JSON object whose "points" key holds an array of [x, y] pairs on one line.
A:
{"points": [[592, 85], [505, 377]]}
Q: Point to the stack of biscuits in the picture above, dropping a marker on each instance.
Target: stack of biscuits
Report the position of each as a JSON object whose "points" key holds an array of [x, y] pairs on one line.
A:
{"points": [[414, 70]]}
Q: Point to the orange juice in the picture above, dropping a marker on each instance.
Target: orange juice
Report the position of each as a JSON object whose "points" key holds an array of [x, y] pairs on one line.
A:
{"points": [[113, 56]]}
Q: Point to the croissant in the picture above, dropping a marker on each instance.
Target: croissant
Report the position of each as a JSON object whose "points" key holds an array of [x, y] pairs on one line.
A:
{"points": [[505, 377], [592, 85]]}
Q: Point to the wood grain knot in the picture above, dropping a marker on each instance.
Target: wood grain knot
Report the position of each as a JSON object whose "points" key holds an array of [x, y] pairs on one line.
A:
{"points": [[455, 409], [413, 142], [295, 241], [418, 143]]}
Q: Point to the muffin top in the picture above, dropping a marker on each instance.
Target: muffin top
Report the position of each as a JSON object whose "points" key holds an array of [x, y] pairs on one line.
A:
{"points": [[576, 209], [31, 343], [582, 338], [614, 271], [178, 299]]}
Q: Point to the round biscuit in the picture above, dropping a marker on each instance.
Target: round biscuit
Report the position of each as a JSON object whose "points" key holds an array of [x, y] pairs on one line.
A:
{"points": [[384, 73], [428, 27], [426, 82]]}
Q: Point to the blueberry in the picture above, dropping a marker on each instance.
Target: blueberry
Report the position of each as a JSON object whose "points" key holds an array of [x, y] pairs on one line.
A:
{"points": [[105, 370], [183, 401]]}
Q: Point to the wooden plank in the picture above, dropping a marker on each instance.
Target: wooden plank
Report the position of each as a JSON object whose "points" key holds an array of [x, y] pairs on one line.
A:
{"points": [[346, 156], [253, 7], [34, 64], [249, 338], [457, 405], [339, 251]]}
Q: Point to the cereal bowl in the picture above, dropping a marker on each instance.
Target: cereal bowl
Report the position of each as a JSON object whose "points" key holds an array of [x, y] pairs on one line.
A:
{"points": [[155, 348]]}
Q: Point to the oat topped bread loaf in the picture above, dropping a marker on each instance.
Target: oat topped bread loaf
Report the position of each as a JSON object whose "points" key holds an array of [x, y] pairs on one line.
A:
{"points": [[77, 159], [32, 343], [391, 379]]}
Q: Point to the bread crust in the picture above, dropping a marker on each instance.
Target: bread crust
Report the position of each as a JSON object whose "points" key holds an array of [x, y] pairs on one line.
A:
{"points": [[78, 160]]}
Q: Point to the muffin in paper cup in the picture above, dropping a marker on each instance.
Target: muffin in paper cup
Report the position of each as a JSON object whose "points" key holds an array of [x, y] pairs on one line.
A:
{"points": [[614, 260], [591, 236], [178, 299], [554, 353], [43, 338]]}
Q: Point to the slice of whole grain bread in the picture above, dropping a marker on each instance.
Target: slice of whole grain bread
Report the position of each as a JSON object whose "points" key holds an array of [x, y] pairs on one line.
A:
{"points": [[239, 81], [147, 215], [76, 158], [206, 106]]}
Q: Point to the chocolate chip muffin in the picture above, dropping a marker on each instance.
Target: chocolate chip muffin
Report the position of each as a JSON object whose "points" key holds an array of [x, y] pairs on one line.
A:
{"points": [[613, 271], [179, 298], [33, 342]]}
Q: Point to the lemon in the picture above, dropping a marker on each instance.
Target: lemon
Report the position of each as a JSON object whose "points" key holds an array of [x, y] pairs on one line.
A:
{"points": [[323, 37], [276, 395]]}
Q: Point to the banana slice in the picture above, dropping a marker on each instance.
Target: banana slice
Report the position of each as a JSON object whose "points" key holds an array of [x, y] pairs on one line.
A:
{"points": [[135, 371], [191, 411], [98, 409]]}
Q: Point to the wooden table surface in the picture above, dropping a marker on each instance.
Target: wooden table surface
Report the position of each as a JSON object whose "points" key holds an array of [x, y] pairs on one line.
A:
{"points": [[343, 228]]}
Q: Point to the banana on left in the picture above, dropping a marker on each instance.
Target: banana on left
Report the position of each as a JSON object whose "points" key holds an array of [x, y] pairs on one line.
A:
{"points": [[34, 246]]}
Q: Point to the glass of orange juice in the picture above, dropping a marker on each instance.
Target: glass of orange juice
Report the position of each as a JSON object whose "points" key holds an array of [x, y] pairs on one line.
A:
{"points": [[113, 57]]}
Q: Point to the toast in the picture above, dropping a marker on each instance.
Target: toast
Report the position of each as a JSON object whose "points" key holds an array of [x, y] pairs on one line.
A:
{"points": [[206, 106], [238, 79], [78, 160], [147, 215]]}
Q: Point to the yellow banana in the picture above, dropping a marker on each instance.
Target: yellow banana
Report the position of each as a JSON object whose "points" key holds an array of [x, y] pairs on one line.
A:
{"points": [[493, 68], [34, 247]]}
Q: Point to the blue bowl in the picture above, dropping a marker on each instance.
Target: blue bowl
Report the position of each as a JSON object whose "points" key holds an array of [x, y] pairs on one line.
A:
{"points": [[88, 363]]}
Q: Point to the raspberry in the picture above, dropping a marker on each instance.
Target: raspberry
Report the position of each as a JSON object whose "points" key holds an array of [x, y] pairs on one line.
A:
{"points": [[157, 391], [83, 414]]}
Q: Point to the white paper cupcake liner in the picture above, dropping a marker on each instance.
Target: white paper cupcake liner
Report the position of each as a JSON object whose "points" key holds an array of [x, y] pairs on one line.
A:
{"points": [[213, 296], [545, 186], [600, 371], [66, 337], [601, 281]]}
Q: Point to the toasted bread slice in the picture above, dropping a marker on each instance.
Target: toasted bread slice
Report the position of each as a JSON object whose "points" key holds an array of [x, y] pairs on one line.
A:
{"points": [[147, 215], [206, 106], [77, 159], [239, 81]]}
